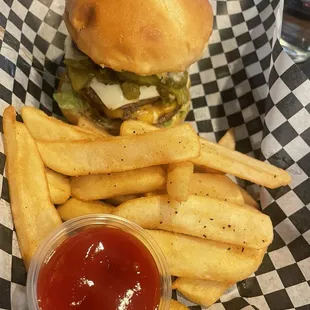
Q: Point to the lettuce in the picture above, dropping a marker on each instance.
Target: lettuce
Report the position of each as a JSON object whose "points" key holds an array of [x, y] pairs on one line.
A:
{"points": [[73, 107], [70, 101]]}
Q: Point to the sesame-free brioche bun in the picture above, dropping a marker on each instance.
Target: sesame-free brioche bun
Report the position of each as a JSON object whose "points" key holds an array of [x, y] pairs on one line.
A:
{"points": [[144, 37]]}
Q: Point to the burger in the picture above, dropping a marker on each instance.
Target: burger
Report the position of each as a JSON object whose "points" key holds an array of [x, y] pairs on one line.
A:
{"points": [[129, 59]]}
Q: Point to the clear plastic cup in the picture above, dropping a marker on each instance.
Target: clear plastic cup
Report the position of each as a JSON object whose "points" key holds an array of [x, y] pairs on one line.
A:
{"points": [[295, 36], [74, 226]]}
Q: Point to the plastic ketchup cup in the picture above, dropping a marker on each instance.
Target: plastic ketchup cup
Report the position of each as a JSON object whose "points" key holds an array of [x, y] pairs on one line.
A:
{"points": [[98, 262]]}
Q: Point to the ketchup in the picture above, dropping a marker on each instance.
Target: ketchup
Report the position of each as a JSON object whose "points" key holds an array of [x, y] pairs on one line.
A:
{"points": [[99, 268]]}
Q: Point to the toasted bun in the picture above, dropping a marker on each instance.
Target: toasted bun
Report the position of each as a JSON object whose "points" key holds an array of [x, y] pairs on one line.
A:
{"points": [[144, 37]]}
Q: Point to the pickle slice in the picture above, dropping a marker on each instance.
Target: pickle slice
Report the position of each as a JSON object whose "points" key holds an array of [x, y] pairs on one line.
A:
{"points": [[148, 80], [85, 64], [88, 63], [130, 91], [167, 93], [107, 76], [79, 78], [176, 79], [182, 95]]}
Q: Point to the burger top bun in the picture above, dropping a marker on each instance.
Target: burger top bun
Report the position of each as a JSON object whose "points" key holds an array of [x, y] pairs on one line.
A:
{"points": [[142, 36]]}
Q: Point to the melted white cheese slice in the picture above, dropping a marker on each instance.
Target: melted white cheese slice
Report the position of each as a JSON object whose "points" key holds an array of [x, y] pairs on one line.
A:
{"points": [[112, 95]]}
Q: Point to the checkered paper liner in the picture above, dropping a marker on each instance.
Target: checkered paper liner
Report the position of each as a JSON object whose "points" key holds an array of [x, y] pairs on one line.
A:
{"points": [[244, 80]]}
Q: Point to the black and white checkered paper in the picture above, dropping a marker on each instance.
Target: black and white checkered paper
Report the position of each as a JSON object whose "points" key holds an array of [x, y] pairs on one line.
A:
{"points": [[245, 80]]}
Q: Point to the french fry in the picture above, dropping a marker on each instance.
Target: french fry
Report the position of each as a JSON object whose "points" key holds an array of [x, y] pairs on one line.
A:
{"points": [[85, 123], [228, 140], [175, 305], [33, 213], [252, 208], [75, 158], [222, 159], [202, 292], [44, 127], [115, 201], [248, 199], [213, 260], [131, 127], [160, 192], [59, 187], [201, 169], [102, 186], [73, 208], [179, 180], [201, 217], [216, 186]]}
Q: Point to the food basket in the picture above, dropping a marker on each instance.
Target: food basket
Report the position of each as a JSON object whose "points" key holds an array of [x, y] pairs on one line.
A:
{"points": [[245, 80]]}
